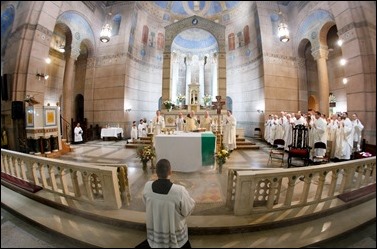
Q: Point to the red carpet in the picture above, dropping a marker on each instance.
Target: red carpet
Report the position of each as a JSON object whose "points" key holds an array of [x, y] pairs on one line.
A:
{"points": [[20, 183], [353, 195]]}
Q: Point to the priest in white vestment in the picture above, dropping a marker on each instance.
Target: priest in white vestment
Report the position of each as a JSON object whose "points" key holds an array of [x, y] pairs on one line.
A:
{"points": [[332, 127], [358, 128], [142, 128], [191, 122], [319, 129], [229, 131], [345, 150], [158, 123], [206, 122], [180, 122]]}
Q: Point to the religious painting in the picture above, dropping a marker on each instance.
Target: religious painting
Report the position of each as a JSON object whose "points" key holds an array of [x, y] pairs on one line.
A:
{"points": [[50, 116], [29, 118]]}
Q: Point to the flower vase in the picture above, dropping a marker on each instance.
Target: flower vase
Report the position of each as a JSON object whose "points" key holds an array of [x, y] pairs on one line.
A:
{"points": [[144, 165]]}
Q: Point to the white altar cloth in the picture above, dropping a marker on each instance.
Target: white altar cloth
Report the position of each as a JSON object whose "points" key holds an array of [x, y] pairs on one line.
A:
{"points": [[187, 152], [111, 132]]}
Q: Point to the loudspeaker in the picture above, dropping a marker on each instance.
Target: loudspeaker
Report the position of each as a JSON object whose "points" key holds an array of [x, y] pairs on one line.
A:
{"points": [[17, 110], [4, 87]]}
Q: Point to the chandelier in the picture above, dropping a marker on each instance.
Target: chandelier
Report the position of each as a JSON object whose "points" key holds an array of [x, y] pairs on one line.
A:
{"points": [[106, 31], [283, 31]]}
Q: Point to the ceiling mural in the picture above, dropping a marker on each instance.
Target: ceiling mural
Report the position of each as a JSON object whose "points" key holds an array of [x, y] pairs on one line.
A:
{"points": [[195, 41]]}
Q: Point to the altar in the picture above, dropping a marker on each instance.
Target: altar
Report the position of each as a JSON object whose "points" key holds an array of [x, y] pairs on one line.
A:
{"points": [[187, 151], [111, 132]]}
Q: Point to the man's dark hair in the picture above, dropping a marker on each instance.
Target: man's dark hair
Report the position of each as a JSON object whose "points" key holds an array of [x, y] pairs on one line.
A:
{"points": [[163, 168]]}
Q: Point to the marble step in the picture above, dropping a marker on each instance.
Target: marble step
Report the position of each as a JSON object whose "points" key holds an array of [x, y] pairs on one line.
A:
{"points": [[247, 147]]}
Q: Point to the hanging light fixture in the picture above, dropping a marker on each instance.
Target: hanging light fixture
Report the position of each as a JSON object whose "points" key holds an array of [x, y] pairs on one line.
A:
{"points": [[106, 30], [283, 31]]}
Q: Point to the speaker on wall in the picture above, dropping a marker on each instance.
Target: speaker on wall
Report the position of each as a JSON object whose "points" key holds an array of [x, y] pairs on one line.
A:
{"points": [[4, 87], [17, 109]]}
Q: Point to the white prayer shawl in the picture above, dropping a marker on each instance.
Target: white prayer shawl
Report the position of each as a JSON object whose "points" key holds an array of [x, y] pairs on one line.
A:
{"points": [[166, 216], [229, 132], [158, 124], [78, 134]]}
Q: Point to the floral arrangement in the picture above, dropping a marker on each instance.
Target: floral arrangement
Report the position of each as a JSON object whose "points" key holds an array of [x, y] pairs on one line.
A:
{"points": [[181, 98], [168, 104], [145, 153], [206, 99], [221, 156]]}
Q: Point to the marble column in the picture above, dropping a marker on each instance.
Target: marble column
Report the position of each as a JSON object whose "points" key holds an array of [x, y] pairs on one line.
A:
{"points": [[188, 74], [175, 76], [214, 82], [201, 81], [68, 83], [321, 55]]}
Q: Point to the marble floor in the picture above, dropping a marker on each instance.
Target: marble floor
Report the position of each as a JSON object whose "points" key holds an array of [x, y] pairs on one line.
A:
{"points": [[206, 186]]}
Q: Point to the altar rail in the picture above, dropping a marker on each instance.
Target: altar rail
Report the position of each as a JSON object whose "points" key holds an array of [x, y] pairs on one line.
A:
{"points": [[96, 184], [270, 190], [249, 191]]}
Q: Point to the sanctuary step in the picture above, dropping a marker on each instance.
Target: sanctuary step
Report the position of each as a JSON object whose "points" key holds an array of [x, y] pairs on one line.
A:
{"points": [[243, 144], [142, 141]]}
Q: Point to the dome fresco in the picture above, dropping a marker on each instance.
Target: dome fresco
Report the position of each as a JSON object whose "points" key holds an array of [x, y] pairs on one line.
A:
{"points": [[200, 8], [194, 41]]}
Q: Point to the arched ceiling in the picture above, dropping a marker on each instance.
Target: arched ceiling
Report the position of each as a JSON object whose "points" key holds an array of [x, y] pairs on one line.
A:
{"points": [[199, 8], [195, 41]]}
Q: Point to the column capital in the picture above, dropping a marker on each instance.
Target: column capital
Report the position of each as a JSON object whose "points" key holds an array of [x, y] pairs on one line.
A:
{"points": [[320, 52]]}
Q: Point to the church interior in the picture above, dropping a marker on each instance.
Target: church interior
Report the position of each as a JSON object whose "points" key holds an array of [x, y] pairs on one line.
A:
{"points": [[106, 64]]}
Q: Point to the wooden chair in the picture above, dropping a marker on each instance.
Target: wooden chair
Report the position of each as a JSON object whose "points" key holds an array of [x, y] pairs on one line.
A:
{"points": [[299, 147], [320, 159], [277, 151]]}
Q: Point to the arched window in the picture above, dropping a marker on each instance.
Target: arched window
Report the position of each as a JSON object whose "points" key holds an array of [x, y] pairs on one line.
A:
{"points": [[116, 24]]}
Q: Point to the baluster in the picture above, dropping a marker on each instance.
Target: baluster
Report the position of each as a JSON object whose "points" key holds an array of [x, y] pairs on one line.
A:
{"points": [[51, 171], [290, 191]]}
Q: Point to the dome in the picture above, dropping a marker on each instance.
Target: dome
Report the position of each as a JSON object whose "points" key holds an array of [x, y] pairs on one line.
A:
{"points": [[195, 41]]}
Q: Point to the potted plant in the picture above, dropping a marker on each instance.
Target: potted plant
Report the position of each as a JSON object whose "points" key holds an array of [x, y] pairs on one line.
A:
{"points": [[221, 156], [145, 153]]}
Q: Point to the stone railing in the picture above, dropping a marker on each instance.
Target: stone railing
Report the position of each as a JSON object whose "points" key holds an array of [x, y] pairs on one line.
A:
{"points": [[250, 191], [95, 184]]}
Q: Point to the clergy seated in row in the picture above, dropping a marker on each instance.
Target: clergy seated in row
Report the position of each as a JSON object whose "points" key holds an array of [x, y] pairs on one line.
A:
{"points": [[191, 122]]}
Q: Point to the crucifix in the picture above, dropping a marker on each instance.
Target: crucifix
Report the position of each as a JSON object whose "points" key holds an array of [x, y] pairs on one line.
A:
{"points": [[218, 104]]}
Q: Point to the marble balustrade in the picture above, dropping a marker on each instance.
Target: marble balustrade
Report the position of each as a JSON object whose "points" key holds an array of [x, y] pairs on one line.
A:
{"points": [[95, 184], [269, 190]]}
